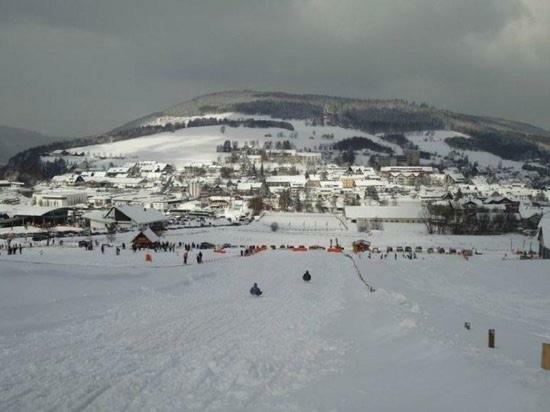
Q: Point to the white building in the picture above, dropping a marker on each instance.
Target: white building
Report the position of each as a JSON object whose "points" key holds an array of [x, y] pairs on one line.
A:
{"points": [[59, 198]]}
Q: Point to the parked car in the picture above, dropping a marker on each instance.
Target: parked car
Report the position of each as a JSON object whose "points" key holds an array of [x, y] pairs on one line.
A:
{"points": [[408, 249], [441, 250], [430, 250], [40, 236], [389, 249], [399, 249], [84, 243], [206, 245], [452, 251], [418, 249]]}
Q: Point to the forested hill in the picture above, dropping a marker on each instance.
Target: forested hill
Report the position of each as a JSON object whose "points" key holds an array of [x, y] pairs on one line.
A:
{"points": [[507, 139], [14, 140], [366, 114]]}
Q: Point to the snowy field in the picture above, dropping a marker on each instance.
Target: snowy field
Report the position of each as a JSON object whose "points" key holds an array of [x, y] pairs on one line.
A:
{"points": [[434, 142], [197, 145], [84, 330], [304, 221]]}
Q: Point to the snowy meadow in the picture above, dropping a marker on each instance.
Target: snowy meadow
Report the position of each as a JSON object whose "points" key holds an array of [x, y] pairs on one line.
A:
{"points": [[85, 330]]}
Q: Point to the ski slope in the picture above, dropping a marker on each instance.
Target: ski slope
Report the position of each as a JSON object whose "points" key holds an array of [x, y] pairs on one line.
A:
{"points": [[81, 330]]}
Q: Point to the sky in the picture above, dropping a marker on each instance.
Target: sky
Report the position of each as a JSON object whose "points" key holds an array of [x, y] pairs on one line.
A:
{"points": [[78, 67]]}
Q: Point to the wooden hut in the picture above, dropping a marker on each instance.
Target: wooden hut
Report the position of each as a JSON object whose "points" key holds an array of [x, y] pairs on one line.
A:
{"points": [[145, 239]]}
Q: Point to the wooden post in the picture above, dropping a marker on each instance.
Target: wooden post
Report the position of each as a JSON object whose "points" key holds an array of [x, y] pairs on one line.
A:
{"points": [[491, 338], [545, 361]]}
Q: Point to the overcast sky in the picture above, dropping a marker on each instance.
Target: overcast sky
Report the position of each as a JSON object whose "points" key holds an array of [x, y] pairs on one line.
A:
{"points": [[77, 67]]}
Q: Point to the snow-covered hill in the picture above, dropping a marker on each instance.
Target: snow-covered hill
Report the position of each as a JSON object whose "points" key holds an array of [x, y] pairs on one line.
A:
{"points": [[433, 141], [81, 330], [198, 144]]}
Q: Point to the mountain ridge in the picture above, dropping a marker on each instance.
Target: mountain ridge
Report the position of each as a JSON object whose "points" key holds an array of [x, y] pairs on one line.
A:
{"points": [[234, 101], [14, 140]]}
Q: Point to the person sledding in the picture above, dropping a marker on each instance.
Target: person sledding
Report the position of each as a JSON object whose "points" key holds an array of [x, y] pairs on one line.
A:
{"points": [[307, 276], [255, 290]]}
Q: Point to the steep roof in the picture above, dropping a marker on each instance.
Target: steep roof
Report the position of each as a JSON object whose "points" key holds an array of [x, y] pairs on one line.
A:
{"points": [[150, 235], [139, 215]]}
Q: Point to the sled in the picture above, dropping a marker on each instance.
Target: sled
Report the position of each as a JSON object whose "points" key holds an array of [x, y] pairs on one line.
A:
{"points": [[299, 249], [335, 249]]}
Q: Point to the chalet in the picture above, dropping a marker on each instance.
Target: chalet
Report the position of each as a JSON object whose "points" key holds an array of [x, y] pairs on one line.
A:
{"points": [[454, 177], [145, 239], [69, 179], [510, 206]]}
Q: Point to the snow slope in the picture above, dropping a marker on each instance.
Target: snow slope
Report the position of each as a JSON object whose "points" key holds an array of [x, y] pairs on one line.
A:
{"points": [[81, 330], [198, 144], [434, 142]]}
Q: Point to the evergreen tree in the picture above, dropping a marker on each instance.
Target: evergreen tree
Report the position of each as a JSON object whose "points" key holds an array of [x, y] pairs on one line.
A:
{"points": [[285, 201]]}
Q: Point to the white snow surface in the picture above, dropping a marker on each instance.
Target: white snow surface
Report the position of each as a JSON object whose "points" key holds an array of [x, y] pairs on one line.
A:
{"points": [[81, 330], [434, 142], [197, 145]]}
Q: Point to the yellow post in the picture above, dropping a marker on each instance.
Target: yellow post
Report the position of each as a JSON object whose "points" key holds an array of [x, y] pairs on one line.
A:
{"points": [[545, 361]]}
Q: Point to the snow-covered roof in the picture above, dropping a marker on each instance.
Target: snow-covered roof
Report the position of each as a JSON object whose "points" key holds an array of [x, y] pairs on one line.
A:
{"points": [[139, 215], [297, 179], [410, 211], [410, 169], [33, 210], [149, 234]]}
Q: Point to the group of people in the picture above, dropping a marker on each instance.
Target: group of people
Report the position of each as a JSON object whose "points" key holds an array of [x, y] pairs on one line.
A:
{"points": [[256, 291], [408, 255], [250, 250], [13, 249]]}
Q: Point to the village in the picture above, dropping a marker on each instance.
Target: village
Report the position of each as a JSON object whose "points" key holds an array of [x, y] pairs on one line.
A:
{"points": [[104, 194]]}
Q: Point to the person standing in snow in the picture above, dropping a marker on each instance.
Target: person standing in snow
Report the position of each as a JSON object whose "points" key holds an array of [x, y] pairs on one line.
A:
{"points": [[255, 290], [307, 276], [185, 256], [200, 257]]}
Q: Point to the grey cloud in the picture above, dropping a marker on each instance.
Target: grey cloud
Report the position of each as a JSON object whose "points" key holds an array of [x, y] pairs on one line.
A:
{"points": [[80, 67]]}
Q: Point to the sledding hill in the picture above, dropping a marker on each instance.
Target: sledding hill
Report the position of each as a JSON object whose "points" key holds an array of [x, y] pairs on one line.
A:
{"points": [[85, 330]]}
